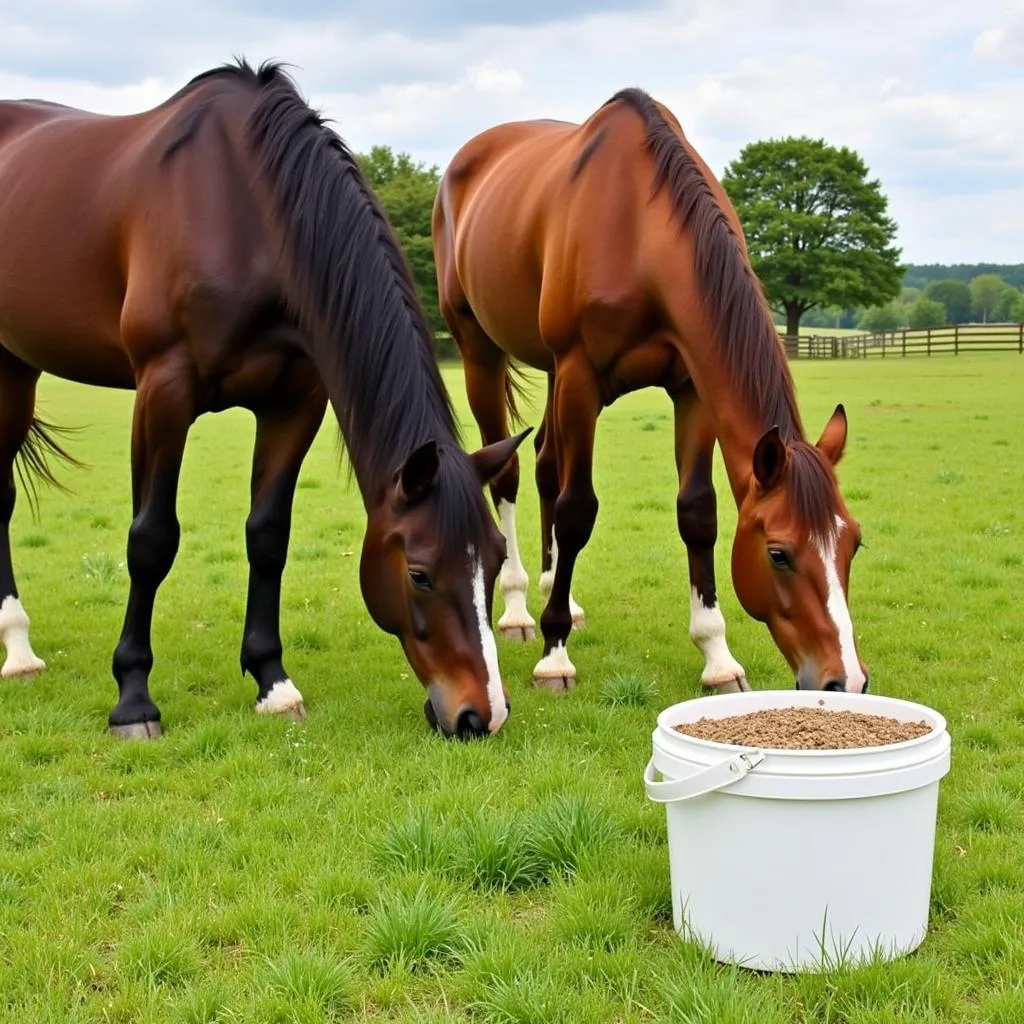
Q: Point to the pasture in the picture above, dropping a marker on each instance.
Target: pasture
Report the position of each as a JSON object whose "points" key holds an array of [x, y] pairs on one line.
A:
{"points": [[357, 867]]}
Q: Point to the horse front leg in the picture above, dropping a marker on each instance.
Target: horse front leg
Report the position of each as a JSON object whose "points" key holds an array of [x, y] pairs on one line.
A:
{"points": [[572, 417], [284, 435], [164, 410], [697, 517]]}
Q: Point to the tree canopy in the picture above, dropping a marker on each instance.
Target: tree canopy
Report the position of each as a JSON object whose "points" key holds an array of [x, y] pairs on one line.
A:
{"points": [[816, 227]]}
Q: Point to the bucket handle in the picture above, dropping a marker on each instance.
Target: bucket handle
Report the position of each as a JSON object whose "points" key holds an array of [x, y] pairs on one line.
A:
{"points": [[717, 776]]}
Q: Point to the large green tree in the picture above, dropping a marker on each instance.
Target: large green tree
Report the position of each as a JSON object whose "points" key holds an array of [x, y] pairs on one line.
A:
{"points": [[406, 191], [816, 226], [955, 296]]}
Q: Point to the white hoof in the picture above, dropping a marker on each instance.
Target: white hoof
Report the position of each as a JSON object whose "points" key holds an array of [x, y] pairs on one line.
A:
{"points": [[22, 668], [283, 699], [21, 661], [518, 632], [517, 623], [735, 682], [555, 671]]}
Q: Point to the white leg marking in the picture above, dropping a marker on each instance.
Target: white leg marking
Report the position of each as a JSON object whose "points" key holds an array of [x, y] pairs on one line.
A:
{"points": [[547, 580], [555, 667], [840, 611], [282, 699], [516, 622], [707, 631], [21, 659], [495, 693]]}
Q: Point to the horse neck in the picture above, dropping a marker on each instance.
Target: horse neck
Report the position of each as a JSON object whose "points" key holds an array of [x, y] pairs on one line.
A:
{"points": [[738, 422]]}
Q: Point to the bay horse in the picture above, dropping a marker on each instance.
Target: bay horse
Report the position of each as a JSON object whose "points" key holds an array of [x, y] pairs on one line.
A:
{"points": [[607, 255], [224, 250]]}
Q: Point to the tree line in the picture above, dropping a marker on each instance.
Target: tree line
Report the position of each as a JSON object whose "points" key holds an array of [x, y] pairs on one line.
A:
{"points": [[818, 234]]}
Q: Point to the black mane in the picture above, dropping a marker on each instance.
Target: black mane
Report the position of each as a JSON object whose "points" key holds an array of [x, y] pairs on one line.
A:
{"points": [[347, 282]]}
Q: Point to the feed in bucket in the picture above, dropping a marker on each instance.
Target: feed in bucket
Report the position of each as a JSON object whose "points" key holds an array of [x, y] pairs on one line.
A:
{"points": [[804, 729], [794, 857]]}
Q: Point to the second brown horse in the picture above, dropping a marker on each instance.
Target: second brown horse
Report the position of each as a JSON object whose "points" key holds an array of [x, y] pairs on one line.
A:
{"points": [[608, 255]]}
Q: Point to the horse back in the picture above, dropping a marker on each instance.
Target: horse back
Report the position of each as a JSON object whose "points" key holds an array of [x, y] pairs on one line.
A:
{"points": [[539, 229], [111, 225]]}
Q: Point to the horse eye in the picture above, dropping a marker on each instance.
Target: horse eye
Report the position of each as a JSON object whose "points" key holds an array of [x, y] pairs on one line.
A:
{"points": [[420, 579], [780, 559]]}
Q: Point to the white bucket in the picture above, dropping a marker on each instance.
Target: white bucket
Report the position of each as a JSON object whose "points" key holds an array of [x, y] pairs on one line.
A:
{"points": [[792, 860]]}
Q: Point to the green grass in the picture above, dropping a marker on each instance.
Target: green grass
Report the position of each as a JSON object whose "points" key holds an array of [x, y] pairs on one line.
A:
{"points": [[356, 867]]}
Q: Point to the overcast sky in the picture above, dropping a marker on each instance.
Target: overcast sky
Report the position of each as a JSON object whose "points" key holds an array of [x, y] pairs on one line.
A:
{"points": [[930, 92]]}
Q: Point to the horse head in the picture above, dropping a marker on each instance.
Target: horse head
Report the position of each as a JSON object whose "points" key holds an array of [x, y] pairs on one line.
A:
{"points": [[430, 559], [795, 542]]}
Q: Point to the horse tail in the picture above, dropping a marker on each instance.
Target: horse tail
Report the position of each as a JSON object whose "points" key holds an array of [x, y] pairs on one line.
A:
{"points": [[33, 461], [515, 391]]}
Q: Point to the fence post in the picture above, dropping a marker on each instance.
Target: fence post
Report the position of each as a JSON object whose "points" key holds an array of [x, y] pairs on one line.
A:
{"points": [[929, 341], [1020, 340], [956, 339], [904, 341]]}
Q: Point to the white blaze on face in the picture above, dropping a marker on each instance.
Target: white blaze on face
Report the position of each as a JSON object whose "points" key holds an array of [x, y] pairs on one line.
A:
{"points": [[839, 611], [495, 694]]}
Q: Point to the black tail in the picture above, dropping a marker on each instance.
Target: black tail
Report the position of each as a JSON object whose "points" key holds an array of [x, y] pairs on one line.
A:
{"points": [[33, 460]]}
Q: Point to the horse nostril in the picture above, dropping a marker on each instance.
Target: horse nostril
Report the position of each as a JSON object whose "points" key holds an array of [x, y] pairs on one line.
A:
{"points": [[836, 685], [469, 725]]}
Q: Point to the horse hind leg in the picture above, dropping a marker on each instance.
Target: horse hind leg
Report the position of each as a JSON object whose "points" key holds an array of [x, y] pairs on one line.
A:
{"points": [[489, 390], [21, 437], [284, 434], [546, 475]]}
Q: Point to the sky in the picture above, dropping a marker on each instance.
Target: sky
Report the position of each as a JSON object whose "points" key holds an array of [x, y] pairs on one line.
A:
{"points": [[929, 92]]}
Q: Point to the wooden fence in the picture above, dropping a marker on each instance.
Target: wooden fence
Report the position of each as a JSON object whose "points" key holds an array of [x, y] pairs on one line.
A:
{"points": [[932, 341]]}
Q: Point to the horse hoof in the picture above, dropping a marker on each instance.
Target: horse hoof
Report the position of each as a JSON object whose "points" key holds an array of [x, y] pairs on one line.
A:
{"points": [[556, 684], [283, 698], [137, 731], [517, 633], [23, 669], [736, 685]]}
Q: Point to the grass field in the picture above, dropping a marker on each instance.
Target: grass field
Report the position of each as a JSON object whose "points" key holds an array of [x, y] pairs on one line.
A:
{"points": [[357, 867]]}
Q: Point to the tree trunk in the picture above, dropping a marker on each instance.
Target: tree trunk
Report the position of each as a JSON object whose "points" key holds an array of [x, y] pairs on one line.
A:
{"points": [[793, 314]]}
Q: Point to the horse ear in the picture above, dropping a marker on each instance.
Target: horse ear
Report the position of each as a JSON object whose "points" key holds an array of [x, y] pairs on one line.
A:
{"points": [[493, 458], [832, 442], [770, 458], [417, 474]]}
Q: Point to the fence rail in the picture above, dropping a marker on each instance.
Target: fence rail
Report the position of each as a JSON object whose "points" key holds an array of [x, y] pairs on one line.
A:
{"points": [[932, 341]]}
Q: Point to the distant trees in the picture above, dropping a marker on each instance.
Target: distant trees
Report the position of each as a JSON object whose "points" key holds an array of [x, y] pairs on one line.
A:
{"points": [[986, 290], [955, 297], [816, 227], [926, 313]]}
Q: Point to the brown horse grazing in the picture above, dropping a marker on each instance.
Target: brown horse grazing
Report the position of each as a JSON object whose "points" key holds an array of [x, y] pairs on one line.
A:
{"points": [[223, 250], [608, 255]]}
